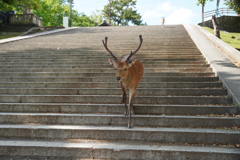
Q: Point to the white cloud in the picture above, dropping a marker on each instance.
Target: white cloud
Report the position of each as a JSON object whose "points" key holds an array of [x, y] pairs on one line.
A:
{"points": [[181, 16], [165, 7], [161, 9], [173, 14]]}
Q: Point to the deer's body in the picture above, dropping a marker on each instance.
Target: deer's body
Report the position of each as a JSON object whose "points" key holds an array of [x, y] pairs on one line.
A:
{"points": [[133, 75], [129, 76], [129, 72]]}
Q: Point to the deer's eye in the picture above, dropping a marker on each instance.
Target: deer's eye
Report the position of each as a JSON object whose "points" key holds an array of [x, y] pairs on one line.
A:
{"points": [[125, 69]]}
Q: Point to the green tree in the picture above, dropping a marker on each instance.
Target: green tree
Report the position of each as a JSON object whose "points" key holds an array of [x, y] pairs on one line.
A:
{"points": [[6, 5], [122, 12], [20, 5], [80, 19], [202, 2], [97, 17], [233, 4], [53, 12]]}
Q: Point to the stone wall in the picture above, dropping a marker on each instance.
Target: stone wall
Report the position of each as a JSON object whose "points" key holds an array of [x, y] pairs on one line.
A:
{"points": [[226, 23], [16, 27]]}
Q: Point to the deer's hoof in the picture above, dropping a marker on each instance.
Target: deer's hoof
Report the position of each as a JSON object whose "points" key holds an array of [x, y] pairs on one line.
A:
{"points": [[130, 127]]}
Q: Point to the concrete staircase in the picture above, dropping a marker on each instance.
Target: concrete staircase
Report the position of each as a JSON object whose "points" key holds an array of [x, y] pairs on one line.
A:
{"points": [[60, 100]]}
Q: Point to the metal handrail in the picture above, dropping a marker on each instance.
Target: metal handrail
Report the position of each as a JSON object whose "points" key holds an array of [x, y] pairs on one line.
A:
{"points": [[220, 11]]}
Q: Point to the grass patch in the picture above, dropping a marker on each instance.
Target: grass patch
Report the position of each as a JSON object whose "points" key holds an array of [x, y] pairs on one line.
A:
{"points": [[232, 38], [4, 35]]}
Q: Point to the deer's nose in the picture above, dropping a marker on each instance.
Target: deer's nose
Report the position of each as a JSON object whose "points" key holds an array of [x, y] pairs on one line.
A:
{"points": [[118, 78]]}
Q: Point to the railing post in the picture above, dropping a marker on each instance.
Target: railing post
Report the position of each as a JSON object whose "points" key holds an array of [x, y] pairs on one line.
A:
{"points": [[40, 22], [32, 18], [11, 18]]}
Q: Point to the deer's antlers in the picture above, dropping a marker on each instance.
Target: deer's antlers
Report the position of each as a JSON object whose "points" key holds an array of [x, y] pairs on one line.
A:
{"points": [[132, 53], [105, 45]]}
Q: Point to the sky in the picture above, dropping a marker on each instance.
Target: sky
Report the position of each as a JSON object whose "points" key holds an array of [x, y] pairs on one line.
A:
{"points": [[174, 11]]}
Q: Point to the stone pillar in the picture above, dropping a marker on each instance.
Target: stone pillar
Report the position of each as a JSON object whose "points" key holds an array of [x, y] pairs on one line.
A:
{"points": [[65, 22]]}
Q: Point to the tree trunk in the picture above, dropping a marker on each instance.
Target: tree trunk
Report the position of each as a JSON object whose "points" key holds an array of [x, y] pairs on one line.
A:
{"points": [[202, 12], [215, 25]]}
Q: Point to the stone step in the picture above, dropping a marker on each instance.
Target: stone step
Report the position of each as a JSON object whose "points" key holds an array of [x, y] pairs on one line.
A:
{"points": [[114, 99], [153, 109], [87, 55], [180, 107], [71, 63], [98, 48], [157, 135], [68, 149], [100, 58], [98, 74], [102, 70], [109, 85], [108, 79], [114, 91], [95, 52], [198, 58], [122, 45], [146, 66], [98, 53], [115, 45], [103, 61], [146, 121]]}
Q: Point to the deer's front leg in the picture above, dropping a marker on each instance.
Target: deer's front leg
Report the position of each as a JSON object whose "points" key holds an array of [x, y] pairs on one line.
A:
{"points": [[124, 98], [132, 93]]}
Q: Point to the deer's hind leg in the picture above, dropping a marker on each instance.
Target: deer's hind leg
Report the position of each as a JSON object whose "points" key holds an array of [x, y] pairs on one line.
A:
{"points": [[124, 98]]}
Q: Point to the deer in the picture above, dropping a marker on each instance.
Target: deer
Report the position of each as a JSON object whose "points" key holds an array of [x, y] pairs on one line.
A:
{"points": [[129, 72], [163, 21]]}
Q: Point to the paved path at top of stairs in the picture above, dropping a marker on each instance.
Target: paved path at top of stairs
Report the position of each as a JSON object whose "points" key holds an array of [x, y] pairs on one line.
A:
{"points": [[59, 98]]}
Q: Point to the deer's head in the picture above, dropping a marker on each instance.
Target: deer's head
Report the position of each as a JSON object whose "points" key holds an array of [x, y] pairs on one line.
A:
{"points": [[122, 67]]}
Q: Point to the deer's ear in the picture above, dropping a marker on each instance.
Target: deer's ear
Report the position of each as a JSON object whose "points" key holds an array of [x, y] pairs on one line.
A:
{"points": [[132, 63], [112, 62]]}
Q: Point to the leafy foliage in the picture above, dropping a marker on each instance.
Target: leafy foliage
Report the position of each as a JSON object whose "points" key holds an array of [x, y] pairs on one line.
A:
{"points": [[202, 2], [80, 19], [122, 12], [53, 12], [19, 5], [233, 4], [97, 17]]}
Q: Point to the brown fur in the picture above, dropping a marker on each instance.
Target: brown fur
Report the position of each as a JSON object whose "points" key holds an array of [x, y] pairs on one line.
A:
{"points": [[130, 75], [129, 72]]}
